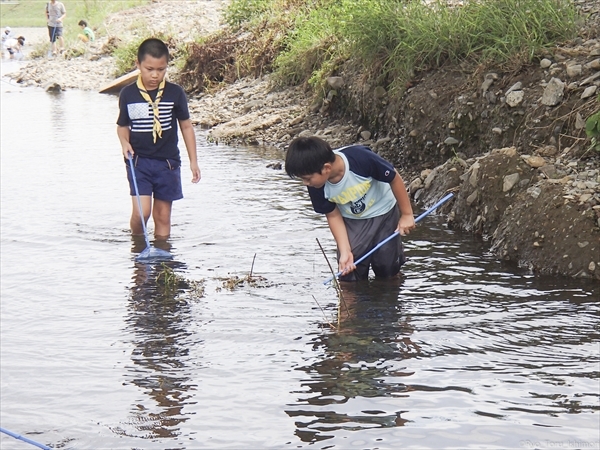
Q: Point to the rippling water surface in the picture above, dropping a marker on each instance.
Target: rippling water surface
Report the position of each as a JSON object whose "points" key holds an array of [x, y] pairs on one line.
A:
{"points": [[461, 352]]}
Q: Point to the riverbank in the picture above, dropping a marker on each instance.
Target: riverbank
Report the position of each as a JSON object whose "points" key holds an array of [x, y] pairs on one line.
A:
{"points": [[510, 143]]}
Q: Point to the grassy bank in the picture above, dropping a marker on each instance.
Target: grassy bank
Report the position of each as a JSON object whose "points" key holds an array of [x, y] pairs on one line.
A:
{"points": [[392, 39], [31, 13]]}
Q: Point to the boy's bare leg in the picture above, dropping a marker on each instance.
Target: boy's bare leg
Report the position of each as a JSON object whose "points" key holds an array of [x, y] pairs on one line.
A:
{"points": [[162, 219], [136, 222]]}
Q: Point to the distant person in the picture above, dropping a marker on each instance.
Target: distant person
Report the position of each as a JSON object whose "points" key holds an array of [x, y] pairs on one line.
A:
{"points": [[149, 111], [55, 14], [6, 35], [362, 196], [87, 34], [13, 47]]}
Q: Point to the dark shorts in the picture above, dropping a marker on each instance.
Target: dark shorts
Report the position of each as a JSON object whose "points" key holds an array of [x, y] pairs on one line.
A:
{"points": [[54, 32], [364, 235], [156, 177]]}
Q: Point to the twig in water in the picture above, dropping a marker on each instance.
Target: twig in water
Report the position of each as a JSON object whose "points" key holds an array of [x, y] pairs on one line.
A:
{"points": [[324, 316], [252, 267], [336, 283]]}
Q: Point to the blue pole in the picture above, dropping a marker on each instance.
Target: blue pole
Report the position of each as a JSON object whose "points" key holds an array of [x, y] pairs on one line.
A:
{"points": [[392, 236], [24, 439]]}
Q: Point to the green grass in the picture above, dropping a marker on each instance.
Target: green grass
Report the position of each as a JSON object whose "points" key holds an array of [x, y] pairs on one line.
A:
{"points": [[392, 39]]}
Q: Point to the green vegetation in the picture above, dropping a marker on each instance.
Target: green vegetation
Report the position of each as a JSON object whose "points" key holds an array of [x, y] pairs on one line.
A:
{"points": [[392, 39], [31, 13], [592, 129], [170, 284], [126, 54]]}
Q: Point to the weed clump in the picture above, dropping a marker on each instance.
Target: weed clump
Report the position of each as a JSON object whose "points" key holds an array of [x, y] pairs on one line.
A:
{"points": [[169, 283]]}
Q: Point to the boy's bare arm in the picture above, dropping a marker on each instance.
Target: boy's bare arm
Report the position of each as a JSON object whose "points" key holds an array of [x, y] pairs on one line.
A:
{"points": [[123, 133], [407, 219], [340, 234], [189, 137]]}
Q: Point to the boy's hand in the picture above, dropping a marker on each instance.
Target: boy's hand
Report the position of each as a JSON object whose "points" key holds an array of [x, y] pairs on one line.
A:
{"points": [[405, 224], [346, 263], [196, 174], [127, 150]]}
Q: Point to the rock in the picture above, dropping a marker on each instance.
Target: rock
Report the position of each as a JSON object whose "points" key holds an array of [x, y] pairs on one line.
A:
{"points": [[553, 94], [550, 171], [595, 52], [515, 87], [380, 92], [579, 122], [413, 133], [514, 98], [433, 94], [509, 181], [547, 150], [425, 173], [296, 121], [472, 198], [53, 87], [593, 65], [252, 104], [535, 161], [487, 82], [574, 70], [589, 79], [365, 135], [451, 141], [336, 83], [451, 126], [589, 91], [474, 174], [545, 63], [415, 185], [497, 130], [275, 166], [592, 266], [534, 191], [316, 105], [306, 133]]}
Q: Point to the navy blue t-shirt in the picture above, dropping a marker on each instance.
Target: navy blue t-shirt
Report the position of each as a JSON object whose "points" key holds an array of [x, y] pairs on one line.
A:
{"points": [[137, 114]]}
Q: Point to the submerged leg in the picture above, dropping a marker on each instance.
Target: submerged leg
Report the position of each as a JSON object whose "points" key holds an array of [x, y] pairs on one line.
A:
{"points": [[136, 222], [162, 219]]}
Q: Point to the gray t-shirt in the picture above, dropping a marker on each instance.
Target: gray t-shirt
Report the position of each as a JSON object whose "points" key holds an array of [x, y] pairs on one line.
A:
{"points": [[55, 11]]}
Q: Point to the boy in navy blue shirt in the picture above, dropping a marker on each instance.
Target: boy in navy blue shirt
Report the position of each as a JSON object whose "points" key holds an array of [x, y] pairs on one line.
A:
{"points": [[363, 198], [149, 111]]}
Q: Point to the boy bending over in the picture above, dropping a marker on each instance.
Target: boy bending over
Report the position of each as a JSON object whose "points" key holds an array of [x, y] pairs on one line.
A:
{"points": [[149, 111], [363, 198]]}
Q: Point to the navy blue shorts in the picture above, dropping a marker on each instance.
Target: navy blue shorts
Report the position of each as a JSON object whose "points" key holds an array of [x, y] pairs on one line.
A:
{"points": [[160, 178]]}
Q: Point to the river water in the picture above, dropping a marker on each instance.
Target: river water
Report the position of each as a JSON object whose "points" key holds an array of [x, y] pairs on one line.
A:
{"points": [[460, 352]]}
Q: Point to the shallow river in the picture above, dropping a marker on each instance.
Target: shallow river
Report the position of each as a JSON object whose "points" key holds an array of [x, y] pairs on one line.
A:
{"points": [[461, 352]]}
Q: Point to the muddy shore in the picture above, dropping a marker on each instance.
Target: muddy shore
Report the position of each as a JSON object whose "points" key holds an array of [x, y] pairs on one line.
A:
{"points": [[510, 145]]}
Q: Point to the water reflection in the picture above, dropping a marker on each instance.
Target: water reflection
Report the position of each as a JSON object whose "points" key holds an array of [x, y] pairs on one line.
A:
{"points": [[372, 331], [159, 318]]}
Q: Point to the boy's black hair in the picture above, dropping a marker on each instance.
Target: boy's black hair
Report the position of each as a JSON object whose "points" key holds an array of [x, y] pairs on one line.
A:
{"points": [[307, 155], [153, 47], [82, 23]]}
